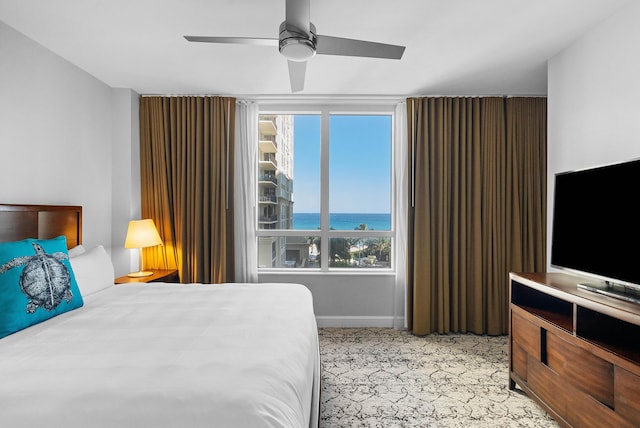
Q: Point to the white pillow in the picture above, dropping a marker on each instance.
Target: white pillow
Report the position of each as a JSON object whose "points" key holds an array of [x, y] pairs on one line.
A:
{"points": [[93, 270], [76, 251]]}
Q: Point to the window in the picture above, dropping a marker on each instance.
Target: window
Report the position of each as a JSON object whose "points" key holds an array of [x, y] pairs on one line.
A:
{"points": [[324, 190]]}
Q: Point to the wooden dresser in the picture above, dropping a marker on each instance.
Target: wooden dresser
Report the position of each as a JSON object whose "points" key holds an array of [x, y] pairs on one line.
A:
{"points": [[575, 352]]}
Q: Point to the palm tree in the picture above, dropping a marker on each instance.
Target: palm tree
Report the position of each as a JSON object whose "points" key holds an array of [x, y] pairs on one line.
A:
{"points": [[338, 251], [384, 248], [360, 242]]}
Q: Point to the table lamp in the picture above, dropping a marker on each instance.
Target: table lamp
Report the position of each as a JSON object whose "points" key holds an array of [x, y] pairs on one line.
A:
{"points": [[141, 234]]}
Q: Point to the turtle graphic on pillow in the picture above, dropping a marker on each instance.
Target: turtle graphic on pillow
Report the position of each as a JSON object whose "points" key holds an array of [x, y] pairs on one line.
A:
{"points": [[44, 279]]}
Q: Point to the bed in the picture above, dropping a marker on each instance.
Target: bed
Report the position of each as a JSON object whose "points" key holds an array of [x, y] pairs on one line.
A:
{"points": [[160, 354]]}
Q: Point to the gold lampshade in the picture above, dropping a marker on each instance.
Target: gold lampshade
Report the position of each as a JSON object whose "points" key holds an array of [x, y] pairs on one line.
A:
{"points": [[142, 234]]}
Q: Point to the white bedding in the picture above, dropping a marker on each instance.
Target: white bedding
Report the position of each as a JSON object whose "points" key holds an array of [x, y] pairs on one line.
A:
{"points": [[168, 355]]}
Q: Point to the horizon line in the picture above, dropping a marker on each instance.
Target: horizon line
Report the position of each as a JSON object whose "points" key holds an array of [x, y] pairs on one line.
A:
{"points": [[339, 213]]}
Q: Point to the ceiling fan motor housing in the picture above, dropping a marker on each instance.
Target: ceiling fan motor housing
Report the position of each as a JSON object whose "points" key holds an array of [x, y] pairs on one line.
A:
{"points": [[297, 45]]}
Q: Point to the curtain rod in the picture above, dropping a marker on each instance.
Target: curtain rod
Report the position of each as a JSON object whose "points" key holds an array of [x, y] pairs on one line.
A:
{"points": [[478, 96], [293, 97], [186, 95], [341, 98], [290, 97]]}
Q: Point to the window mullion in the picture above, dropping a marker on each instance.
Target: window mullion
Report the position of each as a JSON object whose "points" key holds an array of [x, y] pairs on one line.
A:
{"points": [[324, 188]]}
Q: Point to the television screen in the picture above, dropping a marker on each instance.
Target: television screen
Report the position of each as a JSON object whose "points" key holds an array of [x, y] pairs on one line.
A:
{"points": [[596, 223]]}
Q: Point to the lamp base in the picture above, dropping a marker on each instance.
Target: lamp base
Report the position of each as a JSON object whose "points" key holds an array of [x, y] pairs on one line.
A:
{"points": [[140, 274]]}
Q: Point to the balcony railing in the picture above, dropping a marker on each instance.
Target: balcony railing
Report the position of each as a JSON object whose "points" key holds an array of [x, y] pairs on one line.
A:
{"points": [[269, 158], [268, 198], [282, 193], [268, 219], [265, 138], [270, 178]]}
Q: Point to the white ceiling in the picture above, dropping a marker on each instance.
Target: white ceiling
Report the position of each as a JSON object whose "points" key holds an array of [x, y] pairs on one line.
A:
{"points": [[453, 47]]}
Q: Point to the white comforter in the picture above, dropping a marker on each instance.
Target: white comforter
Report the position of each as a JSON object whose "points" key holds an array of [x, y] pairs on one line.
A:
{"points": [[168, 355]]}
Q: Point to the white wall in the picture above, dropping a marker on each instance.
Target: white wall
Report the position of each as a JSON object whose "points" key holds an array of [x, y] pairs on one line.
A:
{"points": [[126, 177], [57, 126], [343, 300], [594, 99]]}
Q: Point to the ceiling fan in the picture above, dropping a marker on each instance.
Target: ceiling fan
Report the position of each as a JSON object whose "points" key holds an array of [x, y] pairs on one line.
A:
{"points": [[298, 42]]}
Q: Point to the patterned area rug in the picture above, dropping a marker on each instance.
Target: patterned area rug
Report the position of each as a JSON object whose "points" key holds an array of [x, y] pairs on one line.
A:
{"points": [[389, 378]]}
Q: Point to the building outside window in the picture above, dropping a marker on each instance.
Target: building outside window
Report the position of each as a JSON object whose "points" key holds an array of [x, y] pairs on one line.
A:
{"points": [[324, 190]]}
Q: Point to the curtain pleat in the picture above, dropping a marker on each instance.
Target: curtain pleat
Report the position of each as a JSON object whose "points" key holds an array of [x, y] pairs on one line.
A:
{"points": [[401, 206], [478, 205], [187, 166], [493, 209], [245, 192]]}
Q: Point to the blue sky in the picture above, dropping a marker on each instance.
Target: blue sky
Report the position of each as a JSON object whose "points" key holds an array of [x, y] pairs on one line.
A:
{"points": [[360, 164]]}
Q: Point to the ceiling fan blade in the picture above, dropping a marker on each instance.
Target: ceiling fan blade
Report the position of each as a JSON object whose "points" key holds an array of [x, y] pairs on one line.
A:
{"points": [[237, 40], [297, 15], [296, 75], [327, 45]]}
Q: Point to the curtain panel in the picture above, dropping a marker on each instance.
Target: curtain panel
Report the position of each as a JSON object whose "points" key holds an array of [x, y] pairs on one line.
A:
{"points": [[186, 177], [245, 192], [477, 208], [400, 177]]}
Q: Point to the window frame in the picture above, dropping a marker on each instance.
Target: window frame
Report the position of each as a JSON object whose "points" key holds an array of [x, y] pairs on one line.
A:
{"points": [[325, 111]]}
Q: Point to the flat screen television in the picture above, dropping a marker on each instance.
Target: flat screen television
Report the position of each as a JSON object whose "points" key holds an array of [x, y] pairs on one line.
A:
{"points": [[596, 227]]}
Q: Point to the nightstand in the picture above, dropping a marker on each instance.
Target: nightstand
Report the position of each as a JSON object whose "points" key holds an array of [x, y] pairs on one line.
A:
{"points": [[159, 275]]}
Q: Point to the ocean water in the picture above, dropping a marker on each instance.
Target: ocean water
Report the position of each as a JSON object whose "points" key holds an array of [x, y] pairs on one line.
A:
{"points": [[342, 221]]}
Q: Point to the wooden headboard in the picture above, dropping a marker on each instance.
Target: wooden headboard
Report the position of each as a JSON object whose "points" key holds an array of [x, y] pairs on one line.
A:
{"points": [[42, 222]]}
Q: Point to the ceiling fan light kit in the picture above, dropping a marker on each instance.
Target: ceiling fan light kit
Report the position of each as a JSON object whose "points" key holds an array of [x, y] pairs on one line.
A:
{"points": [[299, 43], [296, 46]]}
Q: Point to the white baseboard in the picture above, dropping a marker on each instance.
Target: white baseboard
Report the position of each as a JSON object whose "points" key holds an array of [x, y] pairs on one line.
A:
{"points": [[355, 322]]}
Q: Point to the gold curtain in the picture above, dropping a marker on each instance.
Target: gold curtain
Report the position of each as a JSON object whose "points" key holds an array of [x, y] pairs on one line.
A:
{"points": [[186, 171], [477, 211]]}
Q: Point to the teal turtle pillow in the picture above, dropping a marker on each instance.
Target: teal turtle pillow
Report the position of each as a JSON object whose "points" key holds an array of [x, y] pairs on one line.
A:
{"points": [[36, 283]]}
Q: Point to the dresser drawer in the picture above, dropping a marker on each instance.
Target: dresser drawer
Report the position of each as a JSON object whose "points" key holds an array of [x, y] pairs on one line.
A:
{"points": [[578, 408], [581, 368], [627, 391]]}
